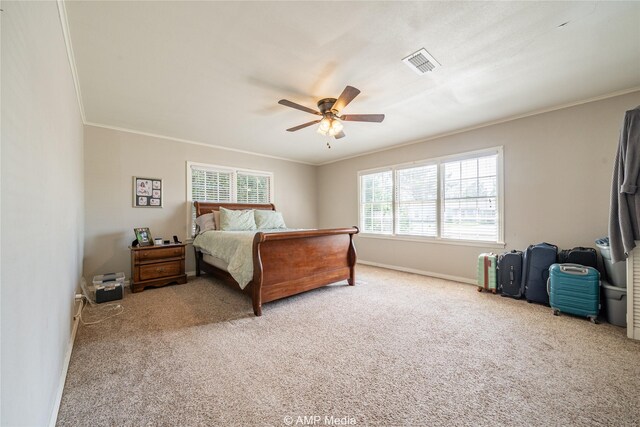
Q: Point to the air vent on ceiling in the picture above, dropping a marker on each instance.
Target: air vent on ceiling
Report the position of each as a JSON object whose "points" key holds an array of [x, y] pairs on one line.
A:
{"points": [[421, 62]]}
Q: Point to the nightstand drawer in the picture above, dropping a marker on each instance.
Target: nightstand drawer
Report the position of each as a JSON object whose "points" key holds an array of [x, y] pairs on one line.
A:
{"points": [[163, 269], [151, 254]]}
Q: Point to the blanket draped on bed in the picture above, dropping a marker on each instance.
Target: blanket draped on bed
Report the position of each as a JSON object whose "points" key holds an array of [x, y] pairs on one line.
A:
{"points": [[233, 247]]}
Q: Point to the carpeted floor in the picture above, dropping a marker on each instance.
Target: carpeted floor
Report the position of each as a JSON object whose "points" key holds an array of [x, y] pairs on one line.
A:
{"points": [[396, 349]]}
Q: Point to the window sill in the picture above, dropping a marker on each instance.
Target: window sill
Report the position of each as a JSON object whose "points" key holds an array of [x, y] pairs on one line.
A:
{"points": [[431, 240]]}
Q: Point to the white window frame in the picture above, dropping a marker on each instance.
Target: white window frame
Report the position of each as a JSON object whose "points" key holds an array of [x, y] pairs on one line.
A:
{"points": [[439, 161], [393, 197], [234, 193]]}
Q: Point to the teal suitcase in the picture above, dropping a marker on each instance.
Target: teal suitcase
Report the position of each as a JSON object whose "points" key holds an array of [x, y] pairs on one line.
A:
{"points": [[487, 275], [574, 289]]}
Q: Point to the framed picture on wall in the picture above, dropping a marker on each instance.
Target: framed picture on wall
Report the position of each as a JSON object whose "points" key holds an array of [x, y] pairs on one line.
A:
{"points": [[147, 192]]}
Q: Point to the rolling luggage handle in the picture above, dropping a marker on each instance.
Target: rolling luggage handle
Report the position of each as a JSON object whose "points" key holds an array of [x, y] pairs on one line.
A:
{"points": [[574, 269]]}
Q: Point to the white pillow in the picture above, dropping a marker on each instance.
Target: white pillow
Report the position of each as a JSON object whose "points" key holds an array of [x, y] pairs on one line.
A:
{"points": [[269, 219], [205, 223], [236, 220]]}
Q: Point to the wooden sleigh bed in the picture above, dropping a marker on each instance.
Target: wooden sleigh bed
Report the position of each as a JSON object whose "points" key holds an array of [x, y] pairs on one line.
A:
{"points": [[290, 262]]}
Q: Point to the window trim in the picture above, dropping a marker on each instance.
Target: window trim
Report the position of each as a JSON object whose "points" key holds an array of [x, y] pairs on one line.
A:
{"points": [[234, 194], [498, 150]]}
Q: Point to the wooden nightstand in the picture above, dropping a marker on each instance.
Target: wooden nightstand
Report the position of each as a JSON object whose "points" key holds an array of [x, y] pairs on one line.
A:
{"points": [[157, 266]]}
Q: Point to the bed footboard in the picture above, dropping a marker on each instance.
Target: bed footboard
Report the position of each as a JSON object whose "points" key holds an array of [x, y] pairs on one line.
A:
{"points": [[288, 263]]}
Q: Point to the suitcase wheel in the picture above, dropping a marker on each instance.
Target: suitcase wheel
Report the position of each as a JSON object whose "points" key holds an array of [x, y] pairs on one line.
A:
{"points": [[556, 312], [529, 301], [593, 319], [479, 289]]}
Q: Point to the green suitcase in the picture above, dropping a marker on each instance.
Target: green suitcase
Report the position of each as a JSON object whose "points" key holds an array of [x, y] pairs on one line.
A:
{"points": [[487, 276]]}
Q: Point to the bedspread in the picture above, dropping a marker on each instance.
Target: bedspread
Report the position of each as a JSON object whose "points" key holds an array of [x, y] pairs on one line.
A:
{"points": [[233, 247]]}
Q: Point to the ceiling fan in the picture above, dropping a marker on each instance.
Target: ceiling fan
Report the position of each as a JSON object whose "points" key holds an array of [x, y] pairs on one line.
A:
{"points": [[330, 108]]}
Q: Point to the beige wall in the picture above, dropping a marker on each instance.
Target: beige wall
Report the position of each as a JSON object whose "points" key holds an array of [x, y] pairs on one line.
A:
{"points": [[557, 178], [113, 157], [42, 211]]}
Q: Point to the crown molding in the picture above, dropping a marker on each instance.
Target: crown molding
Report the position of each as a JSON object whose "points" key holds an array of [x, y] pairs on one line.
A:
{"points": [[71, 57], [491, 123], [202, 144], [62, 12]]}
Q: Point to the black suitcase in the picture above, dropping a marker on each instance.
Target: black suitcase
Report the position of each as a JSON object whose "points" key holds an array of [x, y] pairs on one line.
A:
{"points": [[535, 271], [579, 255], [510, 274]]}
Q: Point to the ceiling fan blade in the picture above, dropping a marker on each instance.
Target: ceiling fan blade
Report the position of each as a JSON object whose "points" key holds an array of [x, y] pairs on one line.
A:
{"points": [[345, 98], [298, 107], [295, 128], [363, 118], [340, 135]]}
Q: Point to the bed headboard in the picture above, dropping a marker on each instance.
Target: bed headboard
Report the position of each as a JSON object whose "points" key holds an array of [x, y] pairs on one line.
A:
{"points": [[207, 207]]}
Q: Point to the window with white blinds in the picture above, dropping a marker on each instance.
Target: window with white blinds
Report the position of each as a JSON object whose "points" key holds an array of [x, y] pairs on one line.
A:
{"points": [[376, 203], [253, 188], [416, 200], [470, 205], [450, 198], [209, 183]]}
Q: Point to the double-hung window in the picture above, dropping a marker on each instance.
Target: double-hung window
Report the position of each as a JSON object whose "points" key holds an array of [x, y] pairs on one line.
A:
{"points": [[376, 205], [209, 183], [416, 200], [470, 201], [450, 198]]}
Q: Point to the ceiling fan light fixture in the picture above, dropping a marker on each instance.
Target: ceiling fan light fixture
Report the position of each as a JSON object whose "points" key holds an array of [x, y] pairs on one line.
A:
{"points": [[336, 126], [325, 124]]}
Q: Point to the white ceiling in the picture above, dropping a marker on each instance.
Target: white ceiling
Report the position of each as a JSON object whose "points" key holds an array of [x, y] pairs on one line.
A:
{"points": [[213, 72]]}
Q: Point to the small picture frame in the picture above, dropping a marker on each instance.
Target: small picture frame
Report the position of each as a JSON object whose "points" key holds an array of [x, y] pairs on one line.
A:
{"points": [[143, 236], [147, 192]]}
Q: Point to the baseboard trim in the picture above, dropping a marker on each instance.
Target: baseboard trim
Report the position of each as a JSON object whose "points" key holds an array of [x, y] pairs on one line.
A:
{"points": [[420, 272], [67, 358]]}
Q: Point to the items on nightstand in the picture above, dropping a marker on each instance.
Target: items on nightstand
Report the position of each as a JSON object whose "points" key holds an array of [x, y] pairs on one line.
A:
{"points": [[143, 236], [107, 287]]}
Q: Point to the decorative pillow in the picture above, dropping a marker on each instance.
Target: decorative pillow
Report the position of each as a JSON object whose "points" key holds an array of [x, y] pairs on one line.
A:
{"points": [[216, 219], [235, 220], [269, 219], [205, 223]]}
